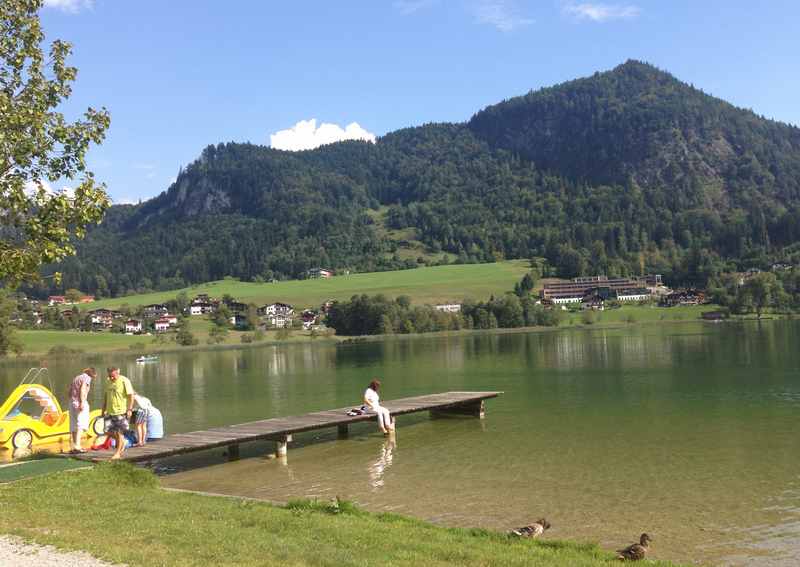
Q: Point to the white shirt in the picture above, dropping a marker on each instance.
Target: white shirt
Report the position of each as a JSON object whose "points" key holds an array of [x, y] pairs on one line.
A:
{"points": [[372, 397], [142, 402]]}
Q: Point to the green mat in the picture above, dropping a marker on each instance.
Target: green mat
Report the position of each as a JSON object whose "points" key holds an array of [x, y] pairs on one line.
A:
{"points": [[27, 469]]}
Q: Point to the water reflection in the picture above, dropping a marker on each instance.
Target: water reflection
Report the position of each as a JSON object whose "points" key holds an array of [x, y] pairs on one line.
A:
{"points": [[377, 469]]}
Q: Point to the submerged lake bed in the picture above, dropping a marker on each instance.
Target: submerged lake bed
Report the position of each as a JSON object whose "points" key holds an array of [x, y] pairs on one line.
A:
{"points": [[687, 431]]}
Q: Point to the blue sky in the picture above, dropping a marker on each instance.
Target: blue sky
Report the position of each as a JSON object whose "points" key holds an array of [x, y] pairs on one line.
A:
{"points": [[178, 75]]}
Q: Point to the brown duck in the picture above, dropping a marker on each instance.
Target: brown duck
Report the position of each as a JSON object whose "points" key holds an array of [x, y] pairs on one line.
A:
{"points": [[636, 551], [534, 530]]}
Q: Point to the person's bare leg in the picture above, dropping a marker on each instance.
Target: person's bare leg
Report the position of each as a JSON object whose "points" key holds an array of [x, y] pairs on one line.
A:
{"points": [[120, 440], [143, 440]]}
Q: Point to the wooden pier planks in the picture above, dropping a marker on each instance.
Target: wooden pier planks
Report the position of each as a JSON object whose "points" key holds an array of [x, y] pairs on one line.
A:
{"points": [[279, 428]]}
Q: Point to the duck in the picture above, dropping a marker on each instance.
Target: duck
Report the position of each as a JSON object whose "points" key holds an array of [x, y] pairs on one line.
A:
{"points": [[635, 551], [533, 530]]}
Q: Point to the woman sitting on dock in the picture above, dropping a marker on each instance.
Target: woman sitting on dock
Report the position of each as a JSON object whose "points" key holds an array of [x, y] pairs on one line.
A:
{"points": [[372, 404]]}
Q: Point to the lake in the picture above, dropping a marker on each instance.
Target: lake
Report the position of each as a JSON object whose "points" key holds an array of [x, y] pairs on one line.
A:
{"points": [[688, 431]]}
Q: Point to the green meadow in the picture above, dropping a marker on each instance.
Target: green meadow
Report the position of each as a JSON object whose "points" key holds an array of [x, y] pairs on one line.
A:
{"points": [[424, 285]]}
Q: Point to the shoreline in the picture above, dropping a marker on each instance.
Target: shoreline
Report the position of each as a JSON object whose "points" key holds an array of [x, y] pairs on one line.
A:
{"points": [[358, 339], [222, 529]]}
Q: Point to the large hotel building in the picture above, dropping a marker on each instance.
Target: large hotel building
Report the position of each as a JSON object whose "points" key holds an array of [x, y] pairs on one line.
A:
{"points": [[624, 289]]}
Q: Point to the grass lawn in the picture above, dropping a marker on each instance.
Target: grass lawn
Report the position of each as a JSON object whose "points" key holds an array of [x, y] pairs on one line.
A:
{"points": [[156, 527], [640, 314], [42, 341], [424, 285]]}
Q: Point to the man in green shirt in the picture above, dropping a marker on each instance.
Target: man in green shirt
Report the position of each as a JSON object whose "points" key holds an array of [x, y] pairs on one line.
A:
{"points": [[117, 408]]}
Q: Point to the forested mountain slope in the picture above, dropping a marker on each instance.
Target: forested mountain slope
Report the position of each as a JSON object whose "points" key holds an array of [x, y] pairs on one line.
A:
{"points": [[624, 171]]}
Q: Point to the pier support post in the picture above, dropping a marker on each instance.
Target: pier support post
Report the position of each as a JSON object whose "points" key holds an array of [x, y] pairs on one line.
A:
{"points": [[283, 445], [233, 452], [473, 409], [342, 431]]}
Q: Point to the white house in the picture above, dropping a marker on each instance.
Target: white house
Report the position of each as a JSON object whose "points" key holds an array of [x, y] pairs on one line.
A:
{"points": [[280, 321], [133, 326], [570, 299], [201, 308], [276, 309], [161, 324], [319, 273], [171, 319], [449, 307]]}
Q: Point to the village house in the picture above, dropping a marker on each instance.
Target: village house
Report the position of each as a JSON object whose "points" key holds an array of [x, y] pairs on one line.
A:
{"points": [[309, 318], [595, 299], [448, 307], [101, 318], [202, 306], [133, 326], [56, 300], [171, 319], [279, 321], [593, 302], [283, 309], [161, 325], [315, 273], [155, 310], [683, 297]]}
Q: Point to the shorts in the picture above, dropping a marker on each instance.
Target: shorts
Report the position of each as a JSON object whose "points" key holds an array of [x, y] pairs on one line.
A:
{"points": [[79, 420], [117, 423], [139, 416]]}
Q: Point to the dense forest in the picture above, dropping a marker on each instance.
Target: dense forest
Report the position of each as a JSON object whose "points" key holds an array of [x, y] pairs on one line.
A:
{"points": [[623, 172]]}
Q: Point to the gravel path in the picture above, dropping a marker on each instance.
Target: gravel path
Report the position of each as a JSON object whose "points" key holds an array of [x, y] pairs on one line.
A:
{"points": [[16, 553]]}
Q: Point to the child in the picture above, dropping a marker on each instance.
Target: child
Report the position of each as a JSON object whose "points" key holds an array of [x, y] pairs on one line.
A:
{"points": [[141, 410]]}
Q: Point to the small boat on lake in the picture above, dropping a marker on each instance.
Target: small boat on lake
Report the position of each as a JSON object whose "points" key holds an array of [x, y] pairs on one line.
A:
{"points": [[147, 358]]}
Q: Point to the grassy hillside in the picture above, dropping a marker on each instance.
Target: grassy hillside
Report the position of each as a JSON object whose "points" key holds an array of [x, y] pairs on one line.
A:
{"points": [[169, 528], [423, 285]]}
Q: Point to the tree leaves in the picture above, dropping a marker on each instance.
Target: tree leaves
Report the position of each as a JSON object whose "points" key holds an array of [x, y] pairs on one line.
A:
{"points": [[38, 145]]}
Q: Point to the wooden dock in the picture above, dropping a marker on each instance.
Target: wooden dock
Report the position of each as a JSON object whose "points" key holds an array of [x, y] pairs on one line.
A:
{"points": [[280, 429]]}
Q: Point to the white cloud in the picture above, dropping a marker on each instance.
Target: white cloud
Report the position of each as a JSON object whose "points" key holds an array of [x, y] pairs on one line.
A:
{"points": [[306, 136], [502, 14], [602, 12], [68, 5], [124, 201], [32, 188], [408, 7]]}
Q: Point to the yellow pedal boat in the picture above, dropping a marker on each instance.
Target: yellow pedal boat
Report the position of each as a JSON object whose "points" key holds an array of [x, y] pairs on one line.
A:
{"points": [[32, 417]]}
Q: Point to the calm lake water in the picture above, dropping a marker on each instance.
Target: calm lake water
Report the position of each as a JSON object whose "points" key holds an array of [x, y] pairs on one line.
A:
{"points": [[688, 431]]}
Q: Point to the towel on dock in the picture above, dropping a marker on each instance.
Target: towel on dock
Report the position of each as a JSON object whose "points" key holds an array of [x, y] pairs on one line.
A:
{"points": [[357, 411]]}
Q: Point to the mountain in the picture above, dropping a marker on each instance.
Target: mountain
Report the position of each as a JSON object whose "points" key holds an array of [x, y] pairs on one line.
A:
{"points": [[624, 171], [637, 122]]}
